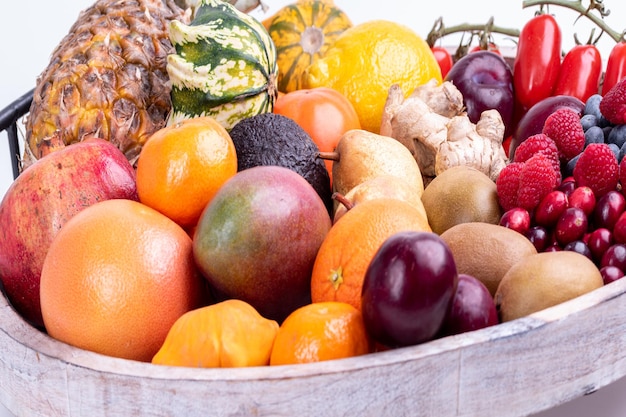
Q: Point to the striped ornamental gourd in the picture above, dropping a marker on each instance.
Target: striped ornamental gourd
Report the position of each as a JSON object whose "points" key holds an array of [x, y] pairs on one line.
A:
{"points": [[224, 66]]}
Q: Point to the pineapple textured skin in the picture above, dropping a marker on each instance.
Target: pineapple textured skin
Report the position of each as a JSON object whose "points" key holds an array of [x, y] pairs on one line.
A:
{"points": [[107, 78]]}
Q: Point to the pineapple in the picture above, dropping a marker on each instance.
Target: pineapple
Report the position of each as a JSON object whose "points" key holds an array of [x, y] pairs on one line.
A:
{"points": [[107, 78]]}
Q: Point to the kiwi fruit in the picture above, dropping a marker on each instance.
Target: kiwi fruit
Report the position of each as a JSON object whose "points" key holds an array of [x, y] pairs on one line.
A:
{"points": [[544, 280], [461, 194], [486, 251]]}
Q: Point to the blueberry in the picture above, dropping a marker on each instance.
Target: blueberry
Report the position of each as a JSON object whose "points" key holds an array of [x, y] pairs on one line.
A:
{"points": [[617, 135], [594, 135], [622, 153], [615, 149], [592, 106], [569, 167], [588, 120], [607, 132]]}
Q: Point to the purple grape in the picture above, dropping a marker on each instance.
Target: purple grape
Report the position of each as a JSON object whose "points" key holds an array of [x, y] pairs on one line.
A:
{"points": [[538, 236], [408, 288], [580, 247]]}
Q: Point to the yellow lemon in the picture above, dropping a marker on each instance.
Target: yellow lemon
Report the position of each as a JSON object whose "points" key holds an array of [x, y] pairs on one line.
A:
{"points": [[367, 59]]}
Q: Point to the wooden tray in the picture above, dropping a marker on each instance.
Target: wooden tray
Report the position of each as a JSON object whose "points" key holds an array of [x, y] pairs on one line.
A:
{"points": [[513, 369]]}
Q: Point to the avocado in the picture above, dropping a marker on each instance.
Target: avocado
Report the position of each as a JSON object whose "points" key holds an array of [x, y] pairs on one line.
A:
{"points": [[274, 139]]}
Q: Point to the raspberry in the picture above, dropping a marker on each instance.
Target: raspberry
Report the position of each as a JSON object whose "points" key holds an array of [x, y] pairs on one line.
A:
{"points": [[564, 128], [613, 104], [539, 144], [536, 180], [597, 168], [507, 185]]}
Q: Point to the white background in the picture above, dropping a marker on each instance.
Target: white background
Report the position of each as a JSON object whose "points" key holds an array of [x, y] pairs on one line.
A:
{"points": [[29, 31]]}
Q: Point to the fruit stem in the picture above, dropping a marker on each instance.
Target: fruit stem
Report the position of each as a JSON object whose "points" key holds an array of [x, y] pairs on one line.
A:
{"points": [[439, 30], [577, 6], [342, 200], [331, 156]]}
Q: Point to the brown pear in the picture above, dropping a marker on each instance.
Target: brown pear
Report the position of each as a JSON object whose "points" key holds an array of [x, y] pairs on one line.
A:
{"points": [[361, 155], [382, 186]]}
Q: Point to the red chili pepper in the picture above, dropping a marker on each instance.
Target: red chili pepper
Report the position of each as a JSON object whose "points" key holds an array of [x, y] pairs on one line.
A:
{"points": [[538, 60], [580, 72], [615, 67], [444, 58]]}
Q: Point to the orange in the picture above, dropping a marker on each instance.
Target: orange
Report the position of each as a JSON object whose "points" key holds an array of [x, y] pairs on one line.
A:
{"points": [[366, 60], [228, 334], [325, 114], [116, 278], [351, 243], [319, 332], [181, 167]]}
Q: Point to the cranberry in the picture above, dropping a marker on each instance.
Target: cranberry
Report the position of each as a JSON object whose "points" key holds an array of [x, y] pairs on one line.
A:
{"points": [[619, 230], [583, 198], [550, 208], [615, 255], [571, 226], [538, 236], [611, 273], [608, 209], [567, 185], [517, 219], [599, 241], [555, 247], [580, 247]]}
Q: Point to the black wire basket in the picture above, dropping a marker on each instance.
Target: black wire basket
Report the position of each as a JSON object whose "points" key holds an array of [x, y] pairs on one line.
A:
{"points": [[9, 118]]}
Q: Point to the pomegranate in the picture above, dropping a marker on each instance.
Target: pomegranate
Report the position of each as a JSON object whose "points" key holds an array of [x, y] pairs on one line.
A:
{"points": [[39, 202]]}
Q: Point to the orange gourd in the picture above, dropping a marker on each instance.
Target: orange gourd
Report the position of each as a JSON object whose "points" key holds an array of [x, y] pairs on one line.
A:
{"points": [[228, 334], [302, 32]]}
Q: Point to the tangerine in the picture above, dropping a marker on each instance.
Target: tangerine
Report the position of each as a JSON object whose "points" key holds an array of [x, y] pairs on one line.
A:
{"points": [[351, 243], [116, 278], [181, 167], [319, 332]]}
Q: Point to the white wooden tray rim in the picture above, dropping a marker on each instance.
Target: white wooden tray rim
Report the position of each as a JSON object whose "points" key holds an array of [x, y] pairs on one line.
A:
{"points": [[513, 369]]}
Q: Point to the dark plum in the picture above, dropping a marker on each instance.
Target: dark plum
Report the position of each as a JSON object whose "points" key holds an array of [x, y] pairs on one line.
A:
{"points": [[408, 288], [571, 226], [538, 236], [550, 208], [611, 273], [608, 209], [472, 307], [584, 198], [486, 82], [532, 121], [599, 241], [615, 255], [517, 219]]}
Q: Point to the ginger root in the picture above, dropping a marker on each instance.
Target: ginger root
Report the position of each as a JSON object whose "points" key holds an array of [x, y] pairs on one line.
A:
{"points": [[433, 125]]}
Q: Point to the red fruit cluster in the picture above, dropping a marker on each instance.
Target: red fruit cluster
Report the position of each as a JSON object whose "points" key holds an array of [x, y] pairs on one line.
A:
{"points": [[572, 217]]}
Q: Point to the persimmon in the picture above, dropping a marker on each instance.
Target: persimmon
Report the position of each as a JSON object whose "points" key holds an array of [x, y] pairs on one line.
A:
{"points": [[324, 113]]}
